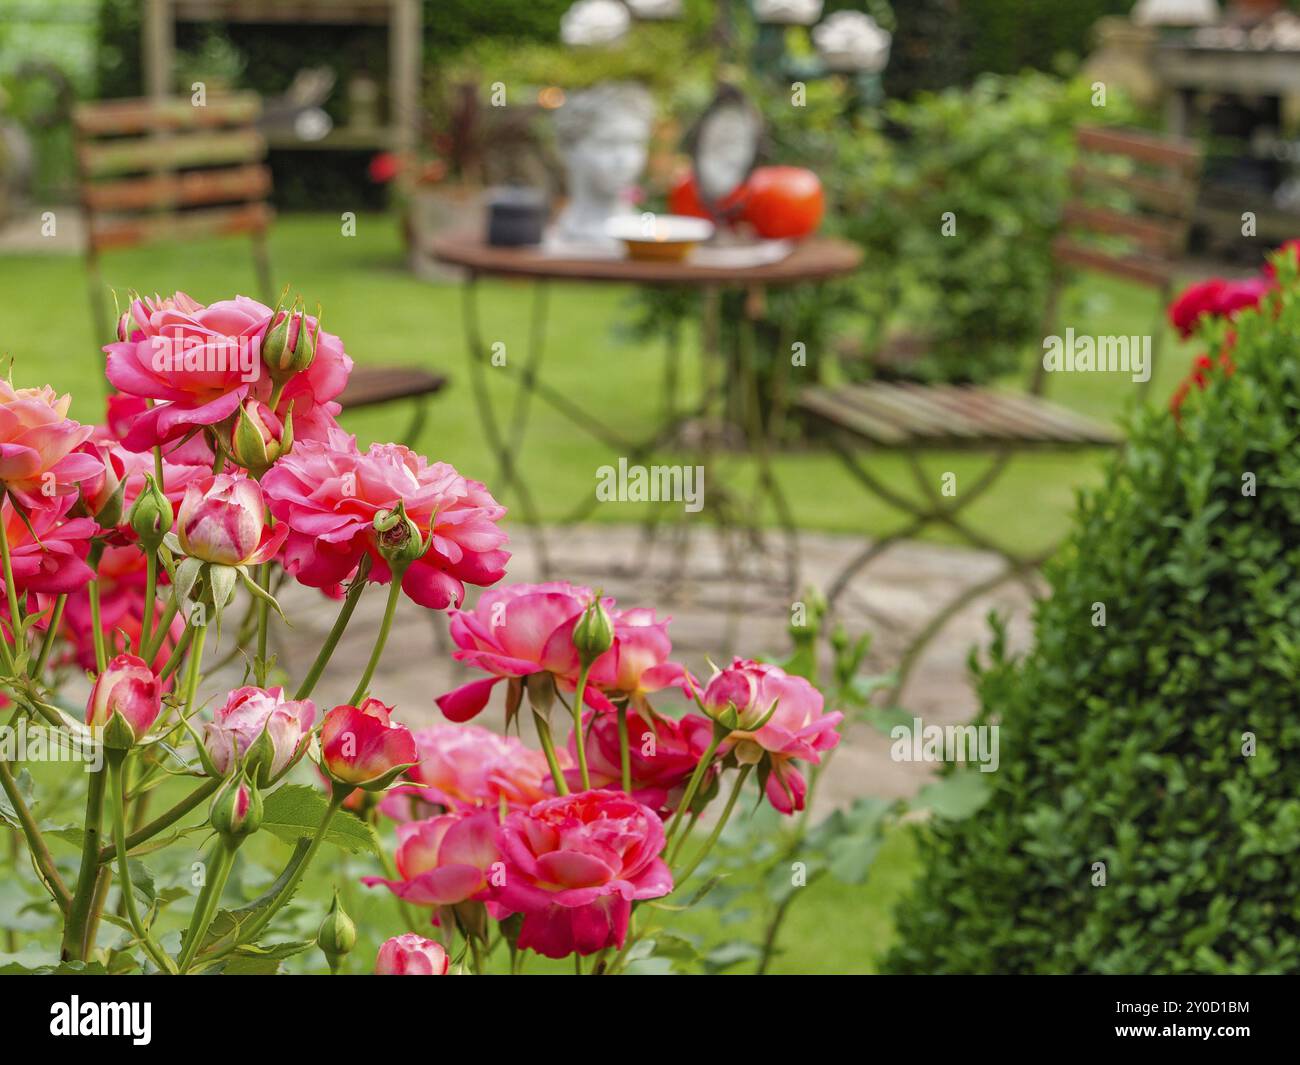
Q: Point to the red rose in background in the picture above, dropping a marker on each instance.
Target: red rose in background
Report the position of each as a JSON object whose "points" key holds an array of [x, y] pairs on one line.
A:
{"points": [[1217, 298]]}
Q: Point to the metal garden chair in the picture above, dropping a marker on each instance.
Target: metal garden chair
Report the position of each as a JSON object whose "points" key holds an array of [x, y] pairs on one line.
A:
{"points": [[1128, 216]]}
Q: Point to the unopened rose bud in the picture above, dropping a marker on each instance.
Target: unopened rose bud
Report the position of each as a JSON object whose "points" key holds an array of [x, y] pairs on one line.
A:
{"points": [[411, 955], [594, 633], [337, 935], [221, 520], [151, 514], [289, 344], [263, 727], [237, 809], [362, 748], [259, 437], [125, 701], [398, 538]]}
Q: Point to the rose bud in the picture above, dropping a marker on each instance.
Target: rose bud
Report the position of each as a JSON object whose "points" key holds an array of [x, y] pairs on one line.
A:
{"points": [[151, 514], [362, 748], [398, 538], [259, 437], [337, 935], [594, 633], [125, 700], [411, 955], [261, 726], [237, 809], [289, 344], [222, 519]]}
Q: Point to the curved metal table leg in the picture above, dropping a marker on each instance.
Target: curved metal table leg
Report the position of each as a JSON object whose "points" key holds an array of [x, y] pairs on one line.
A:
{"points": [[479, 360]]}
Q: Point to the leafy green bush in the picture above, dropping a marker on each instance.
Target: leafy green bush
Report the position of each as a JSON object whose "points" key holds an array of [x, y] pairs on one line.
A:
{"points": [[1128, 743], [993, 160]]}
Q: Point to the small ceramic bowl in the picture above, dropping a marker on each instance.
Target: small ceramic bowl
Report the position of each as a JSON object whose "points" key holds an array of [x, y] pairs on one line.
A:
{"points": [[659, 237]]}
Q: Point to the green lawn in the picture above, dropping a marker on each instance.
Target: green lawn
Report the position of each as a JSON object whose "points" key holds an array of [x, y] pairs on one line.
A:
{"points": [[385, 315]]}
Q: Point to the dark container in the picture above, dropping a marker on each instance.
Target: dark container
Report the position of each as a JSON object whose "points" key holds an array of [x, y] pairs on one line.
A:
{"points": [[516, 217]]}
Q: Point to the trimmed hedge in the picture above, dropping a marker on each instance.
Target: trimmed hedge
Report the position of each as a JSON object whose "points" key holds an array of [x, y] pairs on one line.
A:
{"points": [[1124, 744]]}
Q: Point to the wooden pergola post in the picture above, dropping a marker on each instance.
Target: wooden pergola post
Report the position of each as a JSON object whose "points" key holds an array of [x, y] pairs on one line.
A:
{"points": [[405, 49], [159, 48], [404, 57]]}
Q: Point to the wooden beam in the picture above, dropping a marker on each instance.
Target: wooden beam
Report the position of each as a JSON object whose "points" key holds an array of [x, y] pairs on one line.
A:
{"points": [[158, 48]]}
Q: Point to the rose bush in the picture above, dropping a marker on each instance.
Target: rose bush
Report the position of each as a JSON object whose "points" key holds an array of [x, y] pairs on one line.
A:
{"points": [[220, 474]]}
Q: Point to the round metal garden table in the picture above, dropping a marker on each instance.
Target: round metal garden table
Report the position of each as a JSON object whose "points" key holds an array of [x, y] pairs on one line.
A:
{"points": [[811, 262]]}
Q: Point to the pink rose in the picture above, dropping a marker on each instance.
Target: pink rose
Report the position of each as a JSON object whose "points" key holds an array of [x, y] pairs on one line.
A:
{"points": [[463, 766], [573, 866], [121, 412], [327, 493], [39, 456], [223, 520], [637, 664], [249, 714], [444, 860], [127, 687], [796, 729], [513, 632], [177, 478], [411, 955], [198, 363], [121, 579], [661, 756], [98, 490], [362, 747], [50, 555]]}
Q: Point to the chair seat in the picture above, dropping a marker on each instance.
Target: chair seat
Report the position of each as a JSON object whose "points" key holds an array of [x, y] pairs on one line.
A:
{"points": [[372, 385], [951, 416]]}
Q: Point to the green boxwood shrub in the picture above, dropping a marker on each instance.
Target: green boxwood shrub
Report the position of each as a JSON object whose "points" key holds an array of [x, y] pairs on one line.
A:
{"points": [[1126, 743]]}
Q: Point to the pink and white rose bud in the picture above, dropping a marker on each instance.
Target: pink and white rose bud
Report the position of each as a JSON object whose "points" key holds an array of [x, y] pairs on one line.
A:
{"points": [[411, 955], [222, 519], [360, 746], [775, 716], [129, 688], [256, 717]]}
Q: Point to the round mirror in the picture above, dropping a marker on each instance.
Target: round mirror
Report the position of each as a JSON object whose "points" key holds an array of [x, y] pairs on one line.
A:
{"points": [[724, 147]]}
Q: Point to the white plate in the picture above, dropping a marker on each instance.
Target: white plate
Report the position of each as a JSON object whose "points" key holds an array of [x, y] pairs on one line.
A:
{"points": [[661, 228]]}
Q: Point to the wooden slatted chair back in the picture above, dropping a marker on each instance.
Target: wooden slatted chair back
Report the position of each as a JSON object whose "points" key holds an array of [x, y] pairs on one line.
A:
{"points": [[154, 170], [1130, 209]]}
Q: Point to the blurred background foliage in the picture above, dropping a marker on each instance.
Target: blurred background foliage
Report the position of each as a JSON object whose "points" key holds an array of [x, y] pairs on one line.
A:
{"points": [[978, 104], [938, 44]]}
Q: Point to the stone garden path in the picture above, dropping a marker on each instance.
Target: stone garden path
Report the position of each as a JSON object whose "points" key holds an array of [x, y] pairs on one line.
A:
{"points": [[891, 602]]}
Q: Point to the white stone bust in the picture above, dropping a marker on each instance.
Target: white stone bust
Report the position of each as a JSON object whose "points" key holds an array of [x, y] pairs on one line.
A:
{"points": [[604, 136]]}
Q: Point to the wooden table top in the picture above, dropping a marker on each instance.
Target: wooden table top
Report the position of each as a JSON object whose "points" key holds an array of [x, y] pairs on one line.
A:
{"points": [[815, 259]]}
